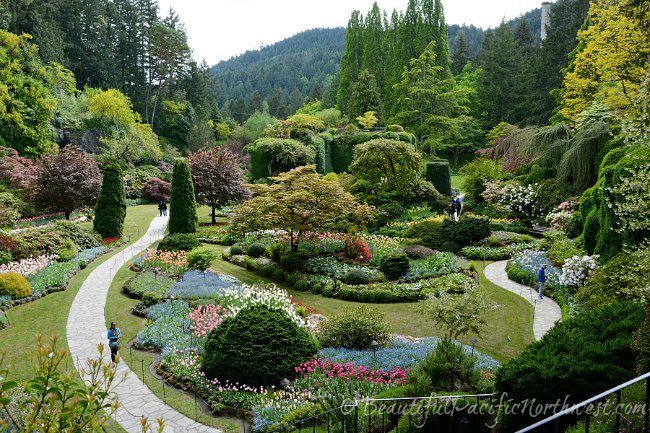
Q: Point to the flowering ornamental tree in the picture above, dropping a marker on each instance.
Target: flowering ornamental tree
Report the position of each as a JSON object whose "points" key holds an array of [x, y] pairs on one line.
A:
{"points": [[522, 200], [67, 181], [206, 318], [576, 270]]}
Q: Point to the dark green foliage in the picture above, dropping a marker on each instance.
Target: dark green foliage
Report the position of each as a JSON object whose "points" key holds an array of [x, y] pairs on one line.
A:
{"points": [[5, 257], [641, 342], [270, 156], [439, 174], [178, 242], [15, 285], [294, 260], [599, 235], [236, 249], [394, 266], [318, 144], [110, 209], [552, 192], [34, 243], [255, 249], [257, 347], [466, 230], [354, 329], [448, 367], [451, 247], [355, 277], [576, 359], [430, 233], [182, 204]]}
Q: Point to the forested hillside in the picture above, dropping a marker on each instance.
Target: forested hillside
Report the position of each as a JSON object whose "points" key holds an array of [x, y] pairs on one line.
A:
{"points": [[284, 74]]}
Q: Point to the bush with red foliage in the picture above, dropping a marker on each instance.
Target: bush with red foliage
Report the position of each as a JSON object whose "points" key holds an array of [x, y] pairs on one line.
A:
{"points": [[7, 243], [156, 190]]}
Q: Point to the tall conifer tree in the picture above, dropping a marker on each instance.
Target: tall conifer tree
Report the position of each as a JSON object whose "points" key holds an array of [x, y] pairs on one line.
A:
{"points": [[182, 204], [110, 210]]}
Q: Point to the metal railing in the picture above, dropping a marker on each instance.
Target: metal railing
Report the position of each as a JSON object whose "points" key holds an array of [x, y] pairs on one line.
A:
{"points": [[587, 409], [448, 413]]}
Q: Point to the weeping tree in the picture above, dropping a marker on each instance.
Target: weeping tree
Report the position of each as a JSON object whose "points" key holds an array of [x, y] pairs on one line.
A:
{"points": [[577, 163]]}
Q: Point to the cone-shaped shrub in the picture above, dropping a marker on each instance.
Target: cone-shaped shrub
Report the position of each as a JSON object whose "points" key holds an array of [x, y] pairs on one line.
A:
{"points": [[110, 210], [182, 205]]}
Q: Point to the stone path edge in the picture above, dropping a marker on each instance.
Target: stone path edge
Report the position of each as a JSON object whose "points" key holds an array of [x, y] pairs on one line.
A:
{"points": [[86, 328], [546, 310]]}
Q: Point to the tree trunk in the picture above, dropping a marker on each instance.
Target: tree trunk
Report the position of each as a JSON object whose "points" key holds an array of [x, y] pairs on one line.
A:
{"points": [[214, 220], [67, 215]]}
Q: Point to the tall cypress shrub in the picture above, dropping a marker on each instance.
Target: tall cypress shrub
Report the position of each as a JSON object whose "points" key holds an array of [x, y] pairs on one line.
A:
{"points": [[110, 209], [182, 205], [439, 174]]}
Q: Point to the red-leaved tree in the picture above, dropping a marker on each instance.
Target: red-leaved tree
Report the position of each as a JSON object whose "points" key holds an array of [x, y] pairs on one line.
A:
{"points": [[17, 172], [156, 190], [66, 181], [218, 178]]}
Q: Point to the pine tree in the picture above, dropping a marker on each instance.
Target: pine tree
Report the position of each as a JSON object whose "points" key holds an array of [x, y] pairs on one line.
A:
{"points": [[461, 53], [110, 210], [364, 96], [182, 204]]}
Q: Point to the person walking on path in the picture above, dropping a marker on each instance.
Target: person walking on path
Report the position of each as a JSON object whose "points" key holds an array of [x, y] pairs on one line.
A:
{"points": [[160, 208], [541, 279], [114, 334], [164, 208], [459, 208]]}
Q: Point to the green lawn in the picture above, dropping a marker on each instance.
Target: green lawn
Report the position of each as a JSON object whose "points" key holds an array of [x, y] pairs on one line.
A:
{"points": [[508, 332]]}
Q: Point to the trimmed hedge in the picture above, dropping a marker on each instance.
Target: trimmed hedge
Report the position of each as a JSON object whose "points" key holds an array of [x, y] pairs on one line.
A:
{"points": [[182, 204], [466, 230], [439, 174], [257, 347], [110, 209], [178, 242]]}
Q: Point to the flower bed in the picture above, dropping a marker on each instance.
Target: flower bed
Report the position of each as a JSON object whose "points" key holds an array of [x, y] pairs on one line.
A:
{"points": [[331, 266], [524, 266], [381, 246], [29, 266], [201, 285], [499, 253], [431, 266]]}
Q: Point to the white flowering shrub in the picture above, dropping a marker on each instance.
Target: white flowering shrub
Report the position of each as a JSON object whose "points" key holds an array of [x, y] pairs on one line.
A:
{"points": [[237, 298], [522, 200], [576, 270]]}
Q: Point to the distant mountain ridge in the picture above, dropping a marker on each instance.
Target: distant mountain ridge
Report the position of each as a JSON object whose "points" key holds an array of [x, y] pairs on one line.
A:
{"points": [[308, 62]]}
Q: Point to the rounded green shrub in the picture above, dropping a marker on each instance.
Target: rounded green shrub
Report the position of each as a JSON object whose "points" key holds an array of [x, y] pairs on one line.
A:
{"points": [[354, 329], [418, 251], [394, 266], [466, 230], [67, 251], [257, 347], [256, 249], [355, 277], [275, 251], [236, 249], [201, 258], [178, 242], [430, 233], [293, 260], [15, 285], [76, 233]]}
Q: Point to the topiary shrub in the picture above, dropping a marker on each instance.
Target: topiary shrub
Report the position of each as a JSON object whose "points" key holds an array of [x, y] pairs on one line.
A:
{"points": [[178, 242], [257, 347], [355, 277], [110, 210], [394, 266], [430, 233], [236, 249], [354, 329], [466, 230], [577, 359], [14, 285], [439, 174], [255, 249], [418, 252], [182, 204], [201, 258]]}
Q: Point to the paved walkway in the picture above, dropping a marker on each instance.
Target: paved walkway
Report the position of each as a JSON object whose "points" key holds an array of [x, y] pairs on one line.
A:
{"points": [[547, 311], [87, 328]]}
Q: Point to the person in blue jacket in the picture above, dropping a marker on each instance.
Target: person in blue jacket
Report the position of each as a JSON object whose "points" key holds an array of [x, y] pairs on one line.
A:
{"points": [[114, 334], [541, 279]]}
